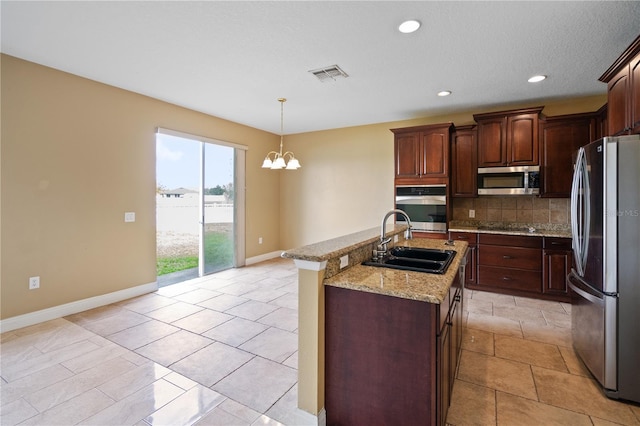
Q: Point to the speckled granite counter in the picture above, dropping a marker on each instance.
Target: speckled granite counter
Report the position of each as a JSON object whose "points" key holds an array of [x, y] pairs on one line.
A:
{"points": [[540, 230], [359, 246], [421, 286], [336, 247], [392, 282]]}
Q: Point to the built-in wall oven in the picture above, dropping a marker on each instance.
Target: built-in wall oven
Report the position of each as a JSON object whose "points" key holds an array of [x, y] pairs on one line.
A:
{"points": [[426, 206]]}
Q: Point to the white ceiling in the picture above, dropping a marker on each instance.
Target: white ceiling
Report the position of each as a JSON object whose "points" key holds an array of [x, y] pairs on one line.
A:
{"points": [[234, 59]]}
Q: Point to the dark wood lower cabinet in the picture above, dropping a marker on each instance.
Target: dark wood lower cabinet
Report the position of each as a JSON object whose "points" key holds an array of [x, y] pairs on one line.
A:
{"points": [[528, 266], [388, 360], [557, 258], [471, 269]]}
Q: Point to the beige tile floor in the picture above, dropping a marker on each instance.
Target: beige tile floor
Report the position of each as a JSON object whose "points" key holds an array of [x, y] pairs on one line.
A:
{"points": [[222, 350], [218, 350], [517, 367]]}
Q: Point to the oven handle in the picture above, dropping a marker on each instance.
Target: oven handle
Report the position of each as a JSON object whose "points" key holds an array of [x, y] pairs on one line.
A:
{"points": [[426, 199]]}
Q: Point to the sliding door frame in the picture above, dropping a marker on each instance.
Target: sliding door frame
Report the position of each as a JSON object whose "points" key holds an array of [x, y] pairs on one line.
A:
{"points": [[239, 203]]}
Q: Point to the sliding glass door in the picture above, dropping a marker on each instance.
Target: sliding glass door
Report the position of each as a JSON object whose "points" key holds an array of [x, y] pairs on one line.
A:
{"points": [[218, 234], [199, 227]]}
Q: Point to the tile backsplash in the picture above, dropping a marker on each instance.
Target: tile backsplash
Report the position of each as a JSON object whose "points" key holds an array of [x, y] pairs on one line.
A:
{"points": [[513, 209]]}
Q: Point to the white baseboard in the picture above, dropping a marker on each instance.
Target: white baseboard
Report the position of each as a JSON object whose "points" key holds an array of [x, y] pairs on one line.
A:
{"points": [[59, 311], [263, 257]]}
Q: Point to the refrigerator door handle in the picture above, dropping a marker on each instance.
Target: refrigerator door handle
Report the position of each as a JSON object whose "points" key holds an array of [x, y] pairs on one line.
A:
{"points": [[575, 232], [580, 215], [590, 297]]}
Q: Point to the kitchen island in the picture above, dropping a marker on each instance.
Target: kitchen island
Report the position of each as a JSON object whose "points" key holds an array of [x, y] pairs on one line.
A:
{"points": [[391, 338]]}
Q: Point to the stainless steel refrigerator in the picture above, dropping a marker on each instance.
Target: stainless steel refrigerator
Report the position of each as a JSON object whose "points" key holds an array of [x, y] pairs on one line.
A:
{"points": [[605, 278]]}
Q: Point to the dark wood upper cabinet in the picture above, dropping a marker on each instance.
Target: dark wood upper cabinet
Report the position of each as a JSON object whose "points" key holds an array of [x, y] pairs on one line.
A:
{"points": [[508, 138], [407, 149], [492, 146], [464, 162], [422, 152], [617, 104], [623, 92], [602, 123], [561, 137], [634, 71]]}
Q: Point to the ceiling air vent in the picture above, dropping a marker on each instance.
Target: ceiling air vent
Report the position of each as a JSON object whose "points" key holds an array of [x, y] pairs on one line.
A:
{"points": [[330, 73]]}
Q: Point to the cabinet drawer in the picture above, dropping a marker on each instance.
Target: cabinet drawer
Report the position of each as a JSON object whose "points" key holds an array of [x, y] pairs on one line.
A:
{"points": [[510, 240], [555, 243], [513, 279], [470, 237], [510, 257]]}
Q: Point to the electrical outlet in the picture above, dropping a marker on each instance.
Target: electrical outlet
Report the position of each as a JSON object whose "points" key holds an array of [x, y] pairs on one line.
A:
{"points": [[344, 261], [130, 217], [395, 238], [259, 240], [34, 282], [472, 213]]}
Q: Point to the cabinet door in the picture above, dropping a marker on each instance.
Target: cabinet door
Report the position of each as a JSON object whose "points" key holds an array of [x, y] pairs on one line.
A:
{"points": [[634, 72], [492, 144], [434, 154], [471, 270], [464, 163], [407, 147], [617, 103], [456, 336], [556, 267], [602, 125], [522, 140], [559, 142], [444, 373]]}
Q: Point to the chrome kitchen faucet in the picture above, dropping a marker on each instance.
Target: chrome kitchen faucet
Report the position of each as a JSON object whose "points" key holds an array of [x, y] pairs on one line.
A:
{"points": [[382, 247]]}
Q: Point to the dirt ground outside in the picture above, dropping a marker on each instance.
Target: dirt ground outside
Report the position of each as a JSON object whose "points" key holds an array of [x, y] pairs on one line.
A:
{"points": [[177, 224]]}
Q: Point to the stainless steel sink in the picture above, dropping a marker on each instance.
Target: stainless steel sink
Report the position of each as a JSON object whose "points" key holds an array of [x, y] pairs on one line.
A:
{"points": [[432, 261]]}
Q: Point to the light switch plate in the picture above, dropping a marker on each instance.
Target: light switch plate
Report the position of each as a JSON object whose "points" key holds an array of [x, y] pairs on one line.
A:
{"points": [[130, 217]]}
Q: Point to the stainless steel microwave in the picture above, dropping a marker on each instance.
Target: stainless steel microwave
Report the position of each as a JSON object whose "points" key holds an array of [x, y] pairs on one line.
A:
{"points": [[521, 180]]}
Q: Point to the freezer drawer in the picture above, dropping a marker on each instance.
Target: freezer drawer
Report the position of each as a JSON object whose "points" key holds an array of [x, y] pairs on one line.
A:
{"points": [[594, 330]]}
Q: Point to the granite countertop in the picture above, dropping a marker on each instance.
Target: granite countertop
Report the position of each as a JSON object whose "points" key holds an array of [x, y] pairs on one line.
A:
{"points": [[540, 230], [422, 286], [337, 247]]}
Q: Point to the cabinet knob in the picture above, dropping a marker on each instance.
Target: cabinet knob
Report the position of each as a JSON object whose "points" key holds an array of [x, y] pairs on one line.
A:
{"points": [[507, 257], [506, 279]]}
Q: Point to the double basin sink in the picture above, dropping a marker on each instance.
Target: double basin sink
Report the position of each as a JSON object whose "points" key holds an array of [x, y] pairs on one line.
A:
{"points": [[432, 261]]}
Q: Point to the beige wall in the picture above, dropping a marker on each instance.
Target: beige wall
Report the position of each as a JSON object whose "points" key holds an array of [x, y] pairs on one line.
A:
{"points": [[346, 182], [76, 155]]}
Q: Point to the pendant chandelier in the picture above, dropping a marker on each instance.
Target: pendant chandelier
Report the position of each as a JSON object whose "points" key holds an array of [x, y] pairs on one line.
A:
{"points": [[278, 161]]}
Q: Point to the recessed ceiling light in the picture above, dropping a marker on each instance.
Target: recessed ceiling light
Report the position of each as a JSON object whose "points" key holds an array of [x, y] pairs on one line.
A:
{"points": [[409, 26], [537, 78], [444, 93]]}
